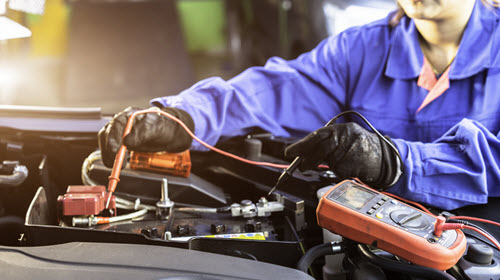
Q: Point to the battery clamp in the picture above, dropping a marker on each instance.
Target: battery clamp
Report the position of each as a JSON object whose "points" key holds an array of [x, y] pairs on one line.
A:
{"points": [[362, 214]]}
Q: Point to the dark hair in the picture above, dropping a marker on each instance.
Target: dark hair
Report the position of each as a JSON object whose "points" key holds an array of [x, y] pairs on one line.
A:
{"points": [[400, 13]]}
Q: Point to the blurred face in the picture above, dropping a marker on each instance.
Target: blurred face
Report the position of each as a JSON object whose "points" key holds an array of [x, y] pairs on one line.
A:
{"points": [[430, 9]]}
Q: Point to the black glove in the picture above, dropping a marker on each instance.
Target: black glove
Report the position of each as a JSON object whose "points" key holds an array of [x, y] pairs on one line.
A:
{"points": [[150, 132], [350, 151]]}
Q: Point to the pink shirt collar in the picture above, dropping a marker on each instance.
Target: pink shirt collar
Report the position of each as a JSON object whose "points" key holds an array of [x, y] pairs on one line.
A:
{"points": [[436, 87]]}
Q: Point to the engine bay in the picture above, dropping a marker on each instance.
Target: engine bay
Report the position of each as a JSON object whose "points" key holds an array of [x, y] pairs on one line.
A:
{"points": [[54, 194]]}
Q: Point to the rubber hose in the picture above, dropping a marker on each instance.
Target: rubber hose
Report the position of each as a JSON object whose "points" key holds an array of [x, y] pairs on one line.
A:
{"points": [[315, 252], [16, 178], [411, 269]]}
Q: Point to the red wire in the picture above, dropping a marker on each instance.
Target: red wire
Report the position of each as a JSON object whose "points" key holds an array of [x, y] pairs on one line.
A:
{"points": [[410, 202], [283, 166], [454, 226], [261, 163], [483, 234], [474, 219]]}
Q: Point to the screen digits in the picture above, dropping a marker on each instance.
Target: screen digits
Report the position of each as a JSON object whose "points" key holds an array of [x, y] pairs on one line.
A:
{"points": [[355, 197]]}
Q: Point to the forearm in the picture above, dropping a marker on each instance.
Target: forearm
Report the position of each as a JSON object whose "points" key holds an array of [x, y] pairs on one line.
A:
{"points": [[219, 109], [460, 168], [286, 98]]}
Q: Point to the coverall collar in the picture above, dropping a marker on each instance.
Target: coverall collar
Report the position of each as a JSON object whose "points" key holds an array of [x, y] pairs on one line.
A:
{"points": [[405, 59]]}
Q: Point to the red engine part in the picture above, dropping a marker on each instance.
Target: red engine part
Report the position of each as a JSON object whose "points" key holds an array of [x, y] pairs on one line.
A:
{"points": [[85, 201]]}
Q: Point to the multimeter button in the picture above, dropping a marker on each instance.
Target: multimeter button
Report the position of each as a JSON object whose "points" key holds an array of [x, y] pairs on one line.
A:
{"points": [[381, 202], [379, 215], [376, 206], [371, 211], [394, 201], [385, 198]]}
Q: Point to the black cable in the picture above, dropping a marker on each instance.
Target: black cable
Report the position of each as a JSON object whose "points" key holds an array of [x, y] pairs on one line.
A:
{"points": [[296, 234], [315, 252], [411, 269], [470, 224], [479, 228], [334, 119], [298, 160]]}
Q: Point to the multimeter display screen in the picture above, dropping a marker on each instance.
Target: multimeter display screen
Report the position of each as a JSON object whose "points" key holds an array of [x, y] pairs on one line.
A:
{"points": [[355, 197]]}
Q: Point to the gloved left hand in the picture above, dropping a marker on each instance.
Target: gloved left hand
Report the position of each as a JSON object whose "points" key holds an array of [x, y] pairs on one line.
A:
{"points": [[350, 151], [151, 132]]}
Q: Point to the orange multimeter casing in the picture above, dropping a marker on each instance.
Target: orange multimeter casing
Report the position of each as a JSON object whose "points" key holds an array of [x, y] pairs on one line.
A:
{"points": [[177, 164], [360, 213]]}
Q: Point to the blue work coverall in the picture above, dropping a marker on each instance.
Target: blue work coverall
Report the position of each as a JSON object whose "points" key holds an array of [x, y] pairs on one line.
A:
{"points": [[450, 146]]}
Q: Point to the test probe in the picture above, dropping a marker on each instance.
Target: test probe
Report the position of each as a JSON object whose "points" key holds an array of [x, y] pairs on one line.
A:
{"points": [[345, 211], [114, 178], [298, 160]]}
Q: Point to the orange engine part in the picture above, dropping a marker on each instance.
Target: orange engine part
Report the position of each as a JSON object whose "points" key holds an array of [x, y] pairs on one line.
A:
{"points": [[177, 164]]}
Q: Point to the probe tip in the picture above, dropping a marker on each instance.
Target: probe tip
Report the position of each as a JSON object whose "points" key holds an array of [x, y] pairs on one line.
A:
{"points": [[107, 203], [271, 191]]}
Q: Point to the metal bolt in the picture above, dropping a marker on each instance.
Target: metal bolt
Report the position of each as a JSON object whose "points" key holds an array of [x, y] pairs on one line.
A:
{"points": [[164, 206], [164, 190], [246, 202], [262, 201], [327, 174]]}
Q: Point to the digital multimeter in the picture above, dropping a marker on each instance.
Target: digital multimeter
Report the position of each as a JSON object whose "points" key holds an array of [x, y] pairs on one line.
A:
{"points": [[362, 214]]}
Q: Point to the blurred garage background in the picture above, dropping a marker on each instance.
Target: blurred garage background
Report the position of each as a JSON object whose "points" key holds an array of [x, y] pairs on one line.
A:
{"points": [[117, 53]]}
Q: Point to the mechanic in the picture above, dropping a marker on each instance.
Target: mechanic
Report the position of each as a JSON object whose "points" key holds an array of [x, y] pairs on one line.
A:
{"points": [[426, 76]]}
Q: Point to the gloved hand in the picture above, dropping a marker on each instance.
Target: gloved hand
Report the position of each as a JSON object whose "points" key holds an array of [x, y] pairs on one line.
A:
{"points": [[150, 132], [350, 151]]}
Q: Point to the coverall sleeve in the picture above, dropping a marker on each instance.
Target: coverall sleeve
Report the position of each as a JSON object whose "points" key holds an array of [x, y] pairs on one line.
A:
{"points": [[286, 98], [458, 169]]}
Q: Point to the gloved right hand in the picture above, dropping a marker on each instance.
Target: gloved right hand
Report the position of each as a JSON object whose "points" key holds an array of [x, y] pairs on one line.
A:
{"points": [[350, 151], [150, 132]]}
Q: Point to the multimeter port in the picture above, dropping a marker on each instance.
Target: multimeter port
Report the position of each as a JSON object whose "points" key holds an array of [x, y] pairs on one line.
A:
{"points": [[360, 213]]}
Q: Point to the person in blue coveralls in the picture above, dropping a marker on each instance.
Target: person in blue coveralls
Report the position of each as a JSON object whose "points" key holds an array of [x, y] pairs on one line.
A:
{"points": [[427, 76]]}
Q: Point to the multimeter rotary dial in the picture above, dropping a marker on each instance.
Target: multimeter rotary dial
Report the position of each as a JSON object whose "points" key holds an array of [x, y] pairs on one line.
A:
{"points": [[410, 219]]}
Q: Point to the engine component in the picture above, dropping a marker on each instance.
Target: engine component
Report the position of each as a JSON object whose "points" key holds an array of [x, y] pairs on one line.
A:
{"points": [[85, 201], [218, 228], [263, 208], [192, 190], [150, 232], [252, 226], [480, 262], [177, 164], [367, 216], [252, 148], [480, 254]]}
